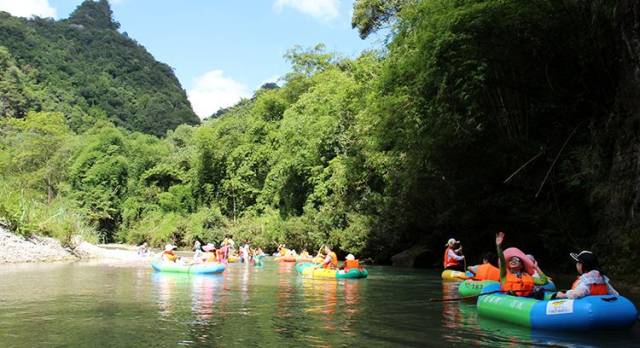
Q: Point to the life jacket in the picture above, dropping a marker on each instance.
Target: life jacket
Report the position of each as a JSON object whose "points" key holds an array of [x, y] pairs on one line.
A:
{"points": [[349, 264], [449, 261], [170, 256], [334, 261], [594, 289], [520, 286], [487, 271], [211, 257]]}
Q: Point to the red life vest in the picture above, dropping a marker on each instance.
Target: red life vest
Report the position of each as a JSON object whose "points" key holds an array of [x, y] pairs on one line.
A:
{"points": [[350, 264], [449, 261], [521, 286], [487, 271], [594, 289]]}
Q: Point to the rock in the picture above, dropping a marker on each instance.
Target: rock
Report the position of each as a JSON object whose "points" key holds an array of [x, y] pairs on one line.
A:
{"points": [[34, 249], [408, 257], [17, 249]]}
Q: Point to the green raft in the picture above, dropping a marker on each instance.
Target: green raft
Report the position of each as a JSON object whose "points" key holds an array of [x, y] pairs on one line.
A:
{"points": [[470, 288]]}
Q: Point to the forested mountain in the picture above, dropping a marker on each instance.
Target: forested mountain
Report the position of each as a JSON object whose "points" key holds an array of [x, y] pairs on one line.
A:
{"points": [[478, 116], [83, 67]]}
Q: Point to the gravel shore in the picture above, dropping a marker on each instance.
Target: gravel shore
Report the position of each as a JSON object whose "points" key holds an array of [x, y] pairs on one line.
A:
{"points": [[18, 249]]}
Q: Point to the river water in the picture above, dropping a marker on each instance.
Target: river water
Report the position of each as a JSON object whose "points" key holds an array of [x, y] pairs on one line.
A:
{"points": [[124, 305]]}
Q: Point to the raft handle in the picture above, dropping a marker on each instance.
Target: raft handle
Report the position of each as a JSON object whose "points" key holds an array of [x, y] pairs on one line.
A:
{"points": [[609, 299]]}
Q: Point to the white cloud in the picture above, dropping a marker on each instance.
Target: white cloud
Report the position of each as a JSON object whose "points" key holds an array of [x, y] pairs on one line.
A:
{"points": [[321, 9], [213, 91], [28, 8]]}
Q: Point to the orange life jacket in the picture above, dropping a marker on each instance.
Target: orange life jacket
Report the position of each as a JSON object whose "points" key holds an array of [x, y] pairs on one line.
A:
{"points": [[169, 255], [449, 261], [594, 289], [334, 261], [211, 257], [487, 271], [522, 286], [349, 264]]}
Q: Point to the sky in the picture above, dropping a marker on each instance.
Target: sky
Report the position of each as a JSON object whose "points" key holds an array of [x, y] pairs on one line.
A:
{"points": [[222, 50]]}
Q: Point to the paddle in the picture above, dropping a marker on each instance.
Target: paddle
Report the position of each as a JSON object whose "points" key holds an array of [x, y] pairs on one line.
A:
{"points": [[451, 299]]}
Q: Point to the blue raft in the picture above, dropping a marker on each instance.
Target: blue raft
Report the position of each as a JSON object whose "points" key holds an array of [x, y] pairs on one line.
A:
{"points": [[199, 268], [587, 313]]}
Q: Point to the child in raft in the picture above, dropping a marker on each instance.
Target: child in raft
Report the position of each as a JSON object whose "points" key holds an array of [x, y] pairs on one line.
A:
{"points": [[591, 281], [350, 262], [487, 270], [516, 276]]}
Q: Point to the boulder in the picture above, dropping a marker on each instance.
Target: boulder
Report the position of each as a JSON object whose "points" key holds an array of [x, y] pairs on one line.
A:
{"points": [[408, 257]]}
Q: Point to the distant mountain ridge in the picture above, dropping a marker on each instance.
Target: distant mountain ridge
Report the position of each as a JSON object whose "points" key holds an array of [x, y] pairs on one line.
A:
{"points": [[83, 67]]}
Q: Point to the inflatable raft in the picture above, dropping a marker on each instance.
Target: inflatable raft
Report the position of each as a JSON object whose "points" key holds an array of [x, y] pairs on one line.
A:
{"points": [[199, 268], [587, 313], [455, 276], [472, 287], [309, 270], [286, 259]]}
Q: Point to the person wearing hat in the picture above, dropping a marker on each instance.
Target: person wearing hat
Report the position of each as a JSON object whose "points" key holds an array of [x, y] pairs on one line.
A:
{"points": [[590, 281], [452, 257], [169, 254], [350, 263], [516, 276], [209, 254]]}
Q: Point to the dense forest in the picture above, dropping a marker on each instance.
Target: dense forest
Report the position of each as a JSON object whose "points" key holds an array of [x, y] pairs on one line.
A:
{"points": [[84, 68], [477, 116]]}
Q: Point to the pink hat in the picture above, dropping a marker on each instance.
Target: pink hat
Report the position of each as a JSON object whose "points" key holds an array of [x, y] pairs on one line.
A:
{"points": [[208, 247], [526, 262]]}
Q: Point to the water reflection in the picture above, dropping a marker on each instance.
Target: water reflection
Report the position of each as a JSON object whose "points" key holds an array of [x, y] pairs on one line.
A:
{"points": [[450, 310], [165, 286], [85, 305], [206, 296]]}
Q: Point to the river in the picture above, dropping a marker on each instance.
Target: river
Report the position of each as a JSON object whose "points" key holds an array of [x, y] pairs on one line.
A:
{"points": [[128, 305]]}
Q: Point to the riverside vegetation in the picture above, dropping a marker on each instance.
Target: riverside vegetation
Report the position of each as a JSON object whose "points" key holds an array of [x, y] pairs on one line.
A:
{"points": [[475, 116]]}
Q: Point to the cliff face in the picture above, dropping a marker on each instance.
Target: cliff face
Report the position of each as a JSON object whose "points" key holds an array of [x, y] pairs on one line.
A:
{"points": [[618, 194]]}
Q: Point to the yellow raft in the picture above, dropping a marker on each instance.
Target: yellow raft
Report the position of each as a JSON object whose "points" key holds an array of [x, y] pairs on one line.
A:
{"points": [[453, 276]]}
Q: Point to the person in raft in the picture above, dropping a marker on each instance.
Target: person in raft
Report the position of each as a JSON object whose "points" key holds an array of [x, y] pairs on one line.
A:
{"points": [[516, 276], [209, 254], [350, 262], [536, 275], [452, 257], [169, 254], [331, 260], [487, 270], [591, 280]]}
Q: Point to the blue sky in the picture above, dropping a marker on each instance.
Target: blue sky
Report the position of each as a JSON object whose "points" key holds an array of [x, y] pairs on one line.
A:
{"points": [[222, 50]]}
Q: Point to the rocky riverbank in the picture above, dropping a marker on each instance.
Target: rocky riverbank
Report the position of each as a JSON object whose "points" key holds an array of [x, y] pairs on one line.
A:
{"points": [[18, 249]]}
